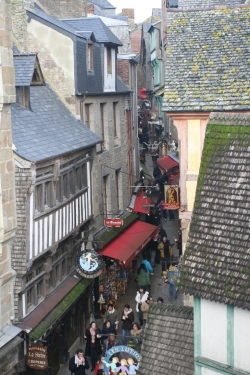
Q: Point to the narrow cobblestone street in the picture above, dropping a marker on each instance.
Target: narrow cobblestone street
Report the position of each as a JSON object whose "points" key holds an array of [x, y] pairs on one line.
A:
{"points": [[158, 286]]}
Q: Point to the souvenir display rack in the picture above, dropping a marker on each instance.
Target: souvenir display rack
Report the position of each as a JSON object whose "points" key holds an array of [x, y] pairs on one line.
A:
{"points": [[113, 282]]}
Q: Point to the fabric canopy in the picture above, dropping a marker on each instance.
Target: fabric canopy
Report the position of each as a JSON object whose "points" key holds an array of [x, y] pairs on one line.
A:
{"points": [[130, 242], [138, 206], [167, 163]]}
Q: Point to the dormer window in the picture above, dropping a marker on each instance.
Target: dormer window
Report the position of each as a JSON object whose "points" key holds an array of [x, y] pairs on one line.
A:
{"points": [[109, 60], [90, 57]]}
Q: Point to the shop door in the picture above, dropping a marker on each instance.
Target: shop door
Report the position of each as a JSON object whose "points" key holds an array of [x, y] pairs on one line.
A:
{"points": [[53, 353]]}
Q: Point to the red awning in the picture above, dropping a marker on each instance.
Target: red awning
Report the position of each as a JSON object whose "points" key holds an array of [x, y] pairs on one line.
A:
{"points": [[130, 242], [167, 163], [138, 207]]}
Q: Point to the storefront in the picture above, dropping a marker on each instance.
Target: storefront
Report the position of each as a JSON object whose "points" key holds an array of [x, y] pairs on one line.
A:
{"points": [[121, 256], [59, 322]]}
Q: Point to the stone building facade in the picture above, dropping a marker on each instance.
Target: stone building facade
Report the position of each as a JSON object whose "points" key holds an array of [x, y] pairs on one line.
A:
{"points": [[8, 333], [54, 216], [64, 9], [100, 99]]}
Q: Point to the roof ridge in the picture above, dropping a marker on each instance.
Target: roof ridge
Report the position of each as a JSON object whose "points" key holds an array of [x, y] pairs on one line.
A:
{"points": [[226, 118], [213, 7]]}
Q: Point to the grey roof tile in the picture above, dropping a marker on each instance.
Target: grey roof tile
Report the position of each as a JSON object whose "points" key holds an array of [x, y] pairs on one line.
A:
{"points": [[206, 3], [102, 33], [103, 4], [49, 128], [121, 86], [217, 258], [24, 68], [169, 328], [208, 60]]}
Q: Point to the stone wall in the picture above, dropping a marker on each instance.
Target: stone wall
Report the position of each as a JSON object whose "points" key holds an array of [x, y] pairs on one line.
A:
{"points": [[65, 8], [19, 20], [19, 257], [7, 191], [114, 158], [7, 201]]}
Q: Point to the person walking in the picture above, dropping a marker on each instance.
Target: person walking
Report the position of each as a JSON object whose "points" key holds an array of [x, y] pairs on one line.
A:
{"points": [[93, 343], [147, 264], [143, 278], [127, 322], [173, 277], [144, 309], [112, 315], [141, 296], [107, 329], [137, 335], [109, 343], [179, 243], [78, 364], [168, 253]]}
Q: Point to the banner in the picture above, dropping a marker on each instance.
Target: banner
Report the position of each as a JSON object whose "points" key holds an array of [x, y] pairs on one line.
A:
{"points": [[171, 197], [37, 357]]}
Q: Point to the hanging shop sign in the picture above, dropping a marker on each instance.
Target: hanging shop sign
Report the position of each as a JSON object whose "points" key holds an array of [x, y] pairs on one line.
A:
{"points": [[113, 222], [172, 199], [37, 357], [89, 264], [129, 364]]}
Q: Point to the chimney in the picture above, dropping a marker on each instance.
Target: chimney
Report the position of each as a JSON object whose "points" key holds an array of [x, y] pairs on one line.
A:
{"points": [[90, 9], [130, 13]]}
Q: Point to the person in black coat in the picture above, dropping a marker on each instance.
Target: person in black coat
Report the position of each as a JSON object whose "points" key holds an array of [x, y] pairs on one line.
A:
{"points": [[127, 323], [78, 364], [107, 329], [93, 345]]}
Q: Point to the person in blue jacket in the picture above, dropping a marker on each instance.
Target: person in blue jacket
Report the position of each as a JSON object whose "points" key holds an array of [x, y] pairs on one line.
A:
{"points": [[147, 265]]}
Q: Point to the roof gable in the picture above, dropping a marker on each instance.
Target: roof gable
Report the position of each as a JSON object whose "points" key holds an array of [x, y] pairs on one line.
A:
{"points": [[169, 329], [102, 33], [217, 259], [49, 129], [208, 60], [27, 69]]}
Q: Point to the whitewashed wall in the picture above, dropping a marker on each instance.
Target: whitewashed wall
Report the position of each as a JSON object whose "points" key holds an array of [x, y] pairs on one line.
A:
{"points": [[206, 371], [242, 339], [109, 79], [214, 331]]}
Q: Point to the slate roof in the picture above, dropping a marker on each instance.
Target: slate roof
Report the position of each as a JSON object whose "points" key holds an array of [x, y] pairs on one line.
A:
{"points": [[206, 3], [216, 263], [49, 129], [24, 65], [101, 31], [168, 343], [104, 4], [146, 37], [208, 60], [122, 87], [53, 20]]}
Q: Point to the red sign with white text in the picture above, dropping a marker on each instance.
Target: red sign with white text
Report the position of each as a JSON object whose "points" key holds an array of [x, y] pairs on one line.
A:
{"points": [[113, 222]]}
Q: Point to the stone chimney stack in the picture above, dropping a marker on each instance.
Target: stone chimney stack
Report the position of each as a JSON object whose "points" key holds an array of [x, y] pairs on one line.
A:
{"points": [[90, 9], [130, 13]]}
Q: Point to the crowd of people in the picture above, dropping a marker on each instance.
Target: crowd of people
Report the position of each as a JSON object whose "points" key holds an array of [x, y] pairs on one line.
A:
{"points": [[131, 323]]}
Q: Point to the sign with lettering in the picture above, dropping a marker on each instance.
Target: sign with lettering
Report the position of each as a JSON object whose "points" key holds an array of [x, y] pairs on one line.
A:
{"points": [[128, 365], [113, 222], [37, 357], [89, 264], [172, 200]]}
